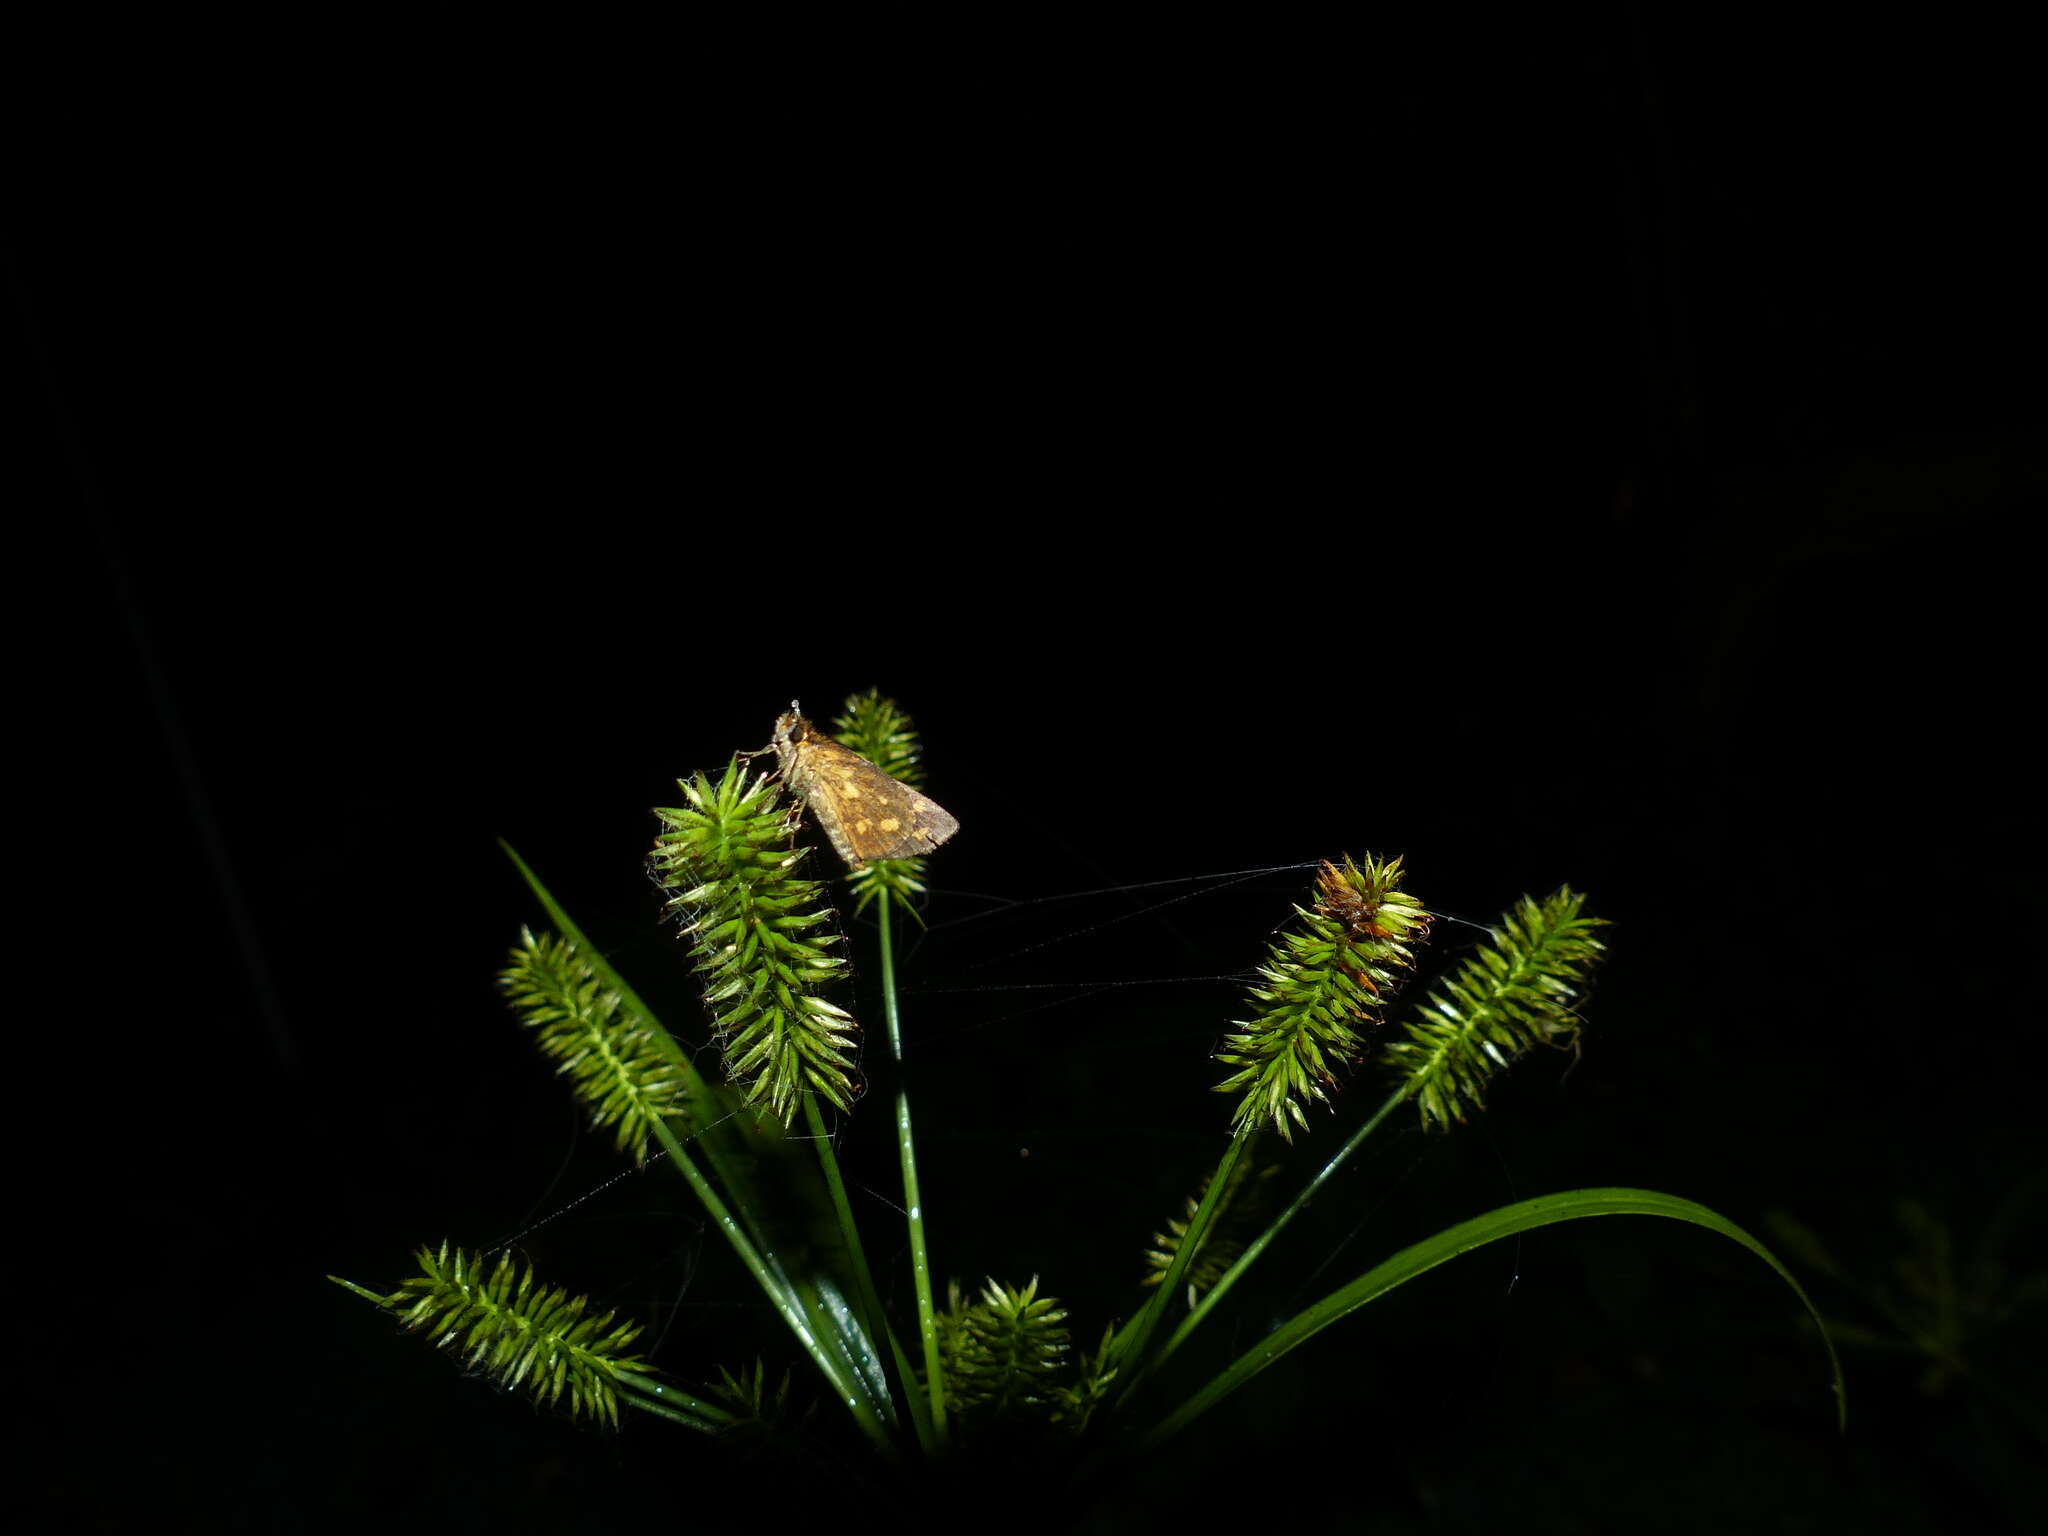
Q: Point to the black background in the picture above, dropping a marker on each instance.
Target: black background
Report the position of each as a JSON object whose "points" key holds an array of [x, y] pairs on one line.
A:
{"points": [[1595, 451]]}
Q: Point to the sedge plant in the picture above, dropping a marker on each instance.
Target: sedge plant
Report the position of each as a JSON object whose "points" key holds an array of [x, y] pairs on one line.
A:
{"points": [[923, 1379]]}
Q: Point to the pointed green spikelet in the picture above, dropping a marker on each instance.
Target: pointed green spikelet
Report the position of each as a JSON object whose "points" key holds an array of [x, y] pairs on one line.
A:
{"points": [[764, 1417], [1075, 1404], [626, 1071], [1004, 1353], [1321, 988], [750, 1396], [881, 732], [1518, 991], [521, 1335], [761, 939]]}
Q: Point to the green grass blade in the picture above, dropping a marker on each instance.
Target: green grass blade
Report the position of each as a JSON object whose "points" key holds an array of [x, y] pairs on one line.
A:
{"points": [[1507, 1221]]}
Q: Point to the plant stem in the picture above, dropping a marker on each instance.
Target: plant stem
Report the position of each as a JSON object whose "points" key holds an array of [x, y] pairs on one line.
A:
{"points": [[1132, 1343], [913, 1200], [668, 1402], [1259, 1244]]}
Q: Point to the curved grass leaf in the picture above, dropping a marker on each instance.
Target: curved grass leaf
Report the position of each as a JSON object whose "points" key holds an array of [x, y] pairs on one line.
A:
{"points": [[1507, 1221]]}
